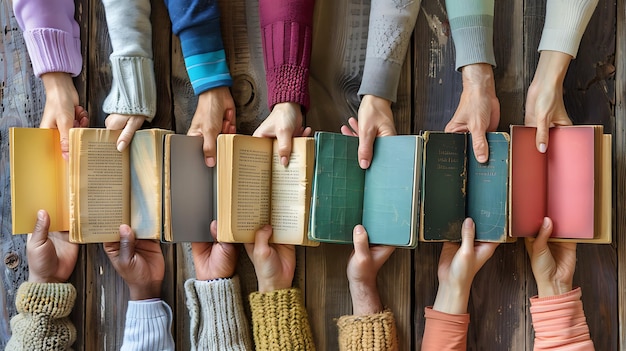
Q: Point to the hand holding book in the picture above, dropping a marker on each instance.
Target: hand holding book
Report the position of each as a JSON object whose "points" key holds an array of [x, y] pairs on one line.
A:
{"points": [[458, 264], [363, 266], [214, 260], [553, 264], [274, 264]]}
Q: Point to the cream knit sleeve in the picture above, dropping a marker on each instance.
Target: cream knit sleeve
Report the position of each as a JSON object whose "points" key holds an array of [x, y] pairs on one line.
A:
{"points": [[566, 21]]}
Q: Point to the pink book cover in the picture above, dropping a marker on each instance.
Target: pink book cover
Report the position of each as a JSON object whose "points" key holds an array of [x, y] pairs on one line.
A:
{"points": [[571, 170], [528, 183]]}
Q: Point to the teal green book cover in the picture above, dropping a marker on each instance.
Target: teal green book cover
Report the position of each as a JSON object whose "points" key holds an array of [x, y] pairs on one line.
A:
{"points": [[337, 200], [487, 189], [391, 196], [443, 186]]}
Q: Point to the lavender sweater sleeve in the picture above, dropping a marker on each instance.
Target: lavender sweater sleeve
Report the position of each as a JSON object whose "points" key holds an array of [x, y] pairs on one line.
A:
{"points": [[471, 23], [286, 32], [197, 24], [388, 38], [133, 90], [566, 21], [51, 33]]}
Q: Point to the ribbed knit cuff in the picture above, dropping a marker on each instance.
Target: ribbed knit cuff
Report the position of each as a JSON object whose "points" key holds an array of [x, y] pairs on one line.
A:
{"points": [[51, 299], [473, 40], [279, 321], [370, 332], [218, 321], [380, 78], [208, 70], [565, 25], [148, 326], [133, 91], [560, 321], [52, 50], [288, 83]]}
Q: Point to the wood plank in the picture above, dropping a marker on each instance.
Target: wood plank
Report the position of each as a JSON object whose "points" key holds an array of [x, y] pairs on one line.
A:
{"points": [[21, 103], [619, 162]]}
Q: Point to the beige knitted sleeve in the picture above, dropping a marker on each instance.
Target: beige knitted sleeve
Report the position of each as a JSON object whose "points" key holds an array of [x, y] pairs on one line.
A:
{"points": [[42, 322], [370, 332]]}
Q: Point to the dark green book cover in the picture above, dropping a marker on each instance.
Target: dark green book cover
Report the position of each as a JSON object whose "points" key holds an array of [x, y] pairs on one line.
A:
{"points": [[391, 199], [487, 189], [443, 186], [337, 201]]}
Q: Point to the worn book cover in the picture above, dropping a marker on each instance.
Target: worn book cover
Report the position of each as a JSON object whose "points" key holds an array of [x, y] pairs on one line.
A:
{"points": [[456, 186], [384, 198], [566, 183], [38, 179], [255, 189], [189, 191]]}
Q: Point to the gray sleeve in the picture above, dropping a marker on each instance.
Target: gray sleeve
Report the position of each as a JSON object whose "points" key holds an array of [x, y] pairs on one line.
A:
{"points": [[390, 28], [471, 24]]}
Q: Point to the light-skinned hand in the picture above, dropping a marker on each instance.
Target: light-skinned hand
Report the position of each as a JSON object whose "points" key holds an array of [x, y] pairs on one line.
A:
{"points": [[214, 260], [62, 110], [458, 264], [553, 264], [544, 102], [283, 123], [479, 109], [129, 124], [215, 114], [363, 266], [139, 262], [51, 257], [374, 119], [274, 264]]}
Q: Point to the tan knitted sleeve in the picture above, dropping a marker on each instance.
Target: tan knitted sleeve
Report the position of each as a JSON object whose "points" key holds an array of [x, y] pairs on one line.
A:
{"points": [[369, 332], [279, 321], [42, 322]]}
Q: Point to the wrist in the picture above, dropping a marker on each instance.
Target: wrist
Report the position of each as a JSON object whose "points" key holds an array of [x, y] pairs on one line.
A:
{"points": [[269, 286], [151, 290], [545, 289], [451, 299], [478, 75], [57, 81], [376, 101], [365, 299], [552, 68]]}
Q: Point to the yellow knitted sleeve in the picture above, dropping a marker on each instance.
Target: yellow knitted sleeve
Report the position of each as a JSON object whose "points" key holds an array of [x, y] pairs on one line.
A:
{"points": [[280, 322], [370, 332]]}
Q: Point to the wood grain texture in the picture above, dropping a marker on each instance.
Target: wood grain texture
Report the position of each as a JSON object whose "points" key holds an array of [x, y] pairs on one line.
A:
{"points": [[619, 173]]}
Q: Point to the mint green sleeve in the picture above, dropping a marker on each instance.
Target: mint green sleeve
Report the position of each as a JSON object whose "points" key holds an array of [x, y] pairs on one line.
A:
{"points": [[566, 21], [471, 22]]}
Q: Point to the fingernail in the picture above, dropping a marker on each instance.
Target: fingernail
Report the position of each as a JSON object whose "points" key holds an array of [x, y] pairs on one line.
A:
{"points": [[284, 161], [481, 158], [546, 222], [542, 148], [364, 164], [359, 230], [210, 161], [468, 223], [121, 145], [40, 215]]}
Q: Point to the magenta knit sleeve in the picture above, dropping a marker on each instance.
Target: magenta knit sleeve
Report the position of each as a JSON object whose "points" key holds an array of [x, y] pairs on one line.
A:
{"points": [[286, 31], [51, 33]]}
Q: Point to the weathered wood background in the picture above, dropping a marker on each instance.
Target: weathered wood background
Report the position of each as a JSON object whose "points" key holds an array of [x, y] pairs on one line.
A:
{"points": [[595, 91]]}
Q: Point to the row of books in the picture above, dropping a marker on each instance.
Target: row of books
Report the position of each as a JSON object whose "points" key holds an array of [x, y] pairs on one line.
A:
{"points": [[418, 187]]}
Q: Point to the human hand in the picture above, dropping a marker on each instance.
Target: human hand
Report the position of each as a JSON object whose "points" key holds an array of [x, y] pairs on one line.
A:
{"points": [[215, 113], [274, 264], [214, 260], [363, 266], [479, 109], [283, 123], [553, 264], [129, 124], [139, 262], [62, 111], [374, 119], [457, 267], [51, 257], [544, 102]]}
